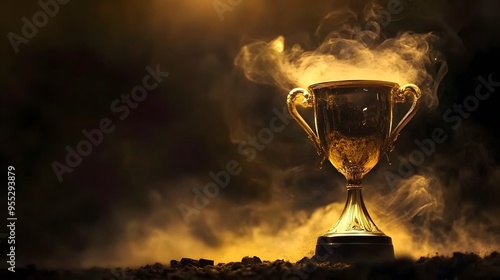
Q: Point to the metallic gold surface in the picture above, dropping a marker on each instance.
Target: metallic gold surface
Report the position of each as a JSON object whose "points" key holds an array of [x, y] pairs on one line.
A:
{"points": [[353, 122]]}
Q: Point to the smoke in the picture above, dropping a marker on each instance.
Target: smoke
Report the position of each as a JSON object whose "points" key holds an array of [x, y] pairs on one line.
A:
{"points": [[421, 216], [348, 52], [281, 205], [120, 207], [435, 211]]}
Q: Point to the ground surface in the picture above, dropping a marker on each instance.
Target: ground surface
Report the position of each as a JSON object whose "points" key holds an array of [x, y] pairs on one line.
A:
{"points": [[459, 266]]}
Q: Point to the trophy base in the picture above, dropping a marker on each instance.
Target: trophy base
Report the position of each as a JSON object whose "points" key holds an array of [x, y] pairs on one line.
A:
{"points": [[348, 248]]}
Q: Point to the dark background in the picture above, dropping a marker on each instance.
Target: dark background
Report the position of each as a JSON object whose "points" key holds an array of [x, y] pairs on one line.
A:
{"points": [[120, 205]]}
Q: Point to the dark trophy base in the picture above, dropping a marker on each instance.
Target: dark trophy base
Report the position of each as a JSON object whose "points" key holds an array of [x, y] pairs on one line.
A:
{"points": [[349, 248]]}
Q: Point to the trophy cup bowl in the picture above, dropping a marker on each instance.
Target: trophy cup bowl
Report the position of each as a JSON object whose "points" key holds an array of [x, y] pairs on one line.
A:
{"points": [[353, 121]]}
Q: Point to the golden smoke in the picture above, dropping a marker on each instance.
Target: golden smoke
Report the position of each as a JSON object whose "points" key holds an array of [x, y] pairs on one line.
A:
{"points": [[275, 231], [347, 54], [273, 226]]}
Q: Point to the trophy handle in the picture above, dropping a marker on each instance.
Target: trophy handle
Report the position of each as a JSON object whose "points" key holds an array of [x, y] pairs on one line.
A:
{"points": [[306, 99], [400, 97]]}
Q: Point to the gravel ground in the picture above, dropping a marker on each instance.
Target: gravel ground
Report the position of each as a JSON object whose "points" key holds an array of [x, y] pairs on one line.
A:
{"points": [[459, 266]]}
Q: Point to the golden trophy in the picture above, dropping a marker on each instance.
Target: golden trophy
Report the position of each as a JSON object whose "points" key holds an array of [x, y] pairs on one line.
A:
{"points": [[353, 129]]}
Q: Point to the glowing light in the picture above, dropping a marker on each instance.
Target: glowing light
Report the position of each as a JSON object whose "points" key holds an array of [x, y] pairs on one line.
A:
{"points": [[278, 44]]}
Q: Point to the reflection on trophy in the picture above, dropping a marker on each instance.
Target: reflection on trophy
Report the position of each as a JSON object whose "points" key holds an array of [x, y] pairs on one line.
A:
{"points": [[353, 129]]}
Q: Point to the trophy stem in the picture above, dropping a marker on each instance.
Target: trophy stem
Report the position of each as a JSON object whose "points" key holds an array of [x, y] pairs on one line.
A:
{"points": [[355, 218], [355, 236]]}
